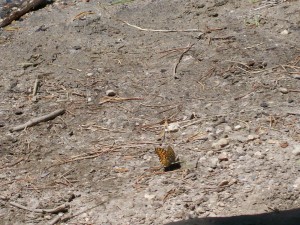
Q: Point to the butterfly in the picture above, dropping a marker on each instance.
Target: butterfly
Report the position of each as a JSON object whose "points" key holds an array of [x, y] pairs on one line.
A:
{"points": [[166, 156]]}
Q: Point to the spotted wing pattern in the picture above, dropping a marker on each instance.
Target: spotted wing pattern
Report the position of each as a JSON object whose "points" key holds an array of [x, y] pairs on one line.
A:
{"points": [[166, 156]]}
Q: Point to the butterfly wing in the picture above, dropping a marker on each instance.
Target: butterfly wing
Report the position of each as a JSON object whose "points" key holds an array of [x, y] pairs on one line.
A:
{"points": [[161, 153], [166, 157], [171, 155]]}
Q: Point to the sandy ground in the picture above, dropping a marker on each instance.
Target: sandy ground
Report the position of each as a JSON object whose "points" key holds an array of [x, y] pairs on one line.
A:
{"points": [[217, 80]]}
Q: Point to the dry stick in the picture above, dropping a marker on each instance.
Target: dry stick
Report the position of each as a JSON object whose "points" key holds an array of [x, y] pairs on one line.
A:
{"points": [[35, 87], [70, 216], [56, 219], [179, 59], [37, 120], [62, 208], [23, 9], [12, 164], [154, 30]]}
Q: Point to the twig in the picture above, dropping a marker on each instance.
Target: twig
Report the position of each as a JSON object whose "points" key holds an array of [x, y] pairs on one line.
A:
{"points": [[62, 208], [159, 30], [70, 216], [117, 99], [37, 120], [179, 59], [56, 219], [35, 87], [12, 164], [23, 9]]}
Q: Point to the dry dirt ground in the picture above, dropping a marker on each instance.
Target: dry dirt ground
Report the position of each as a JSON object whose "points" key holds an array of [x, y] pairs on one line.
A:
{"points": [[218, 80]]}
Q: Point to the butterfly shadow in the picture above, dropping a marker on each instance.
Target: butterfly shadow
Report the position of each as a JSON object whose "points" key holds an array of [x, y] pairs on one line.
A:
{"points": [[172, 167]]}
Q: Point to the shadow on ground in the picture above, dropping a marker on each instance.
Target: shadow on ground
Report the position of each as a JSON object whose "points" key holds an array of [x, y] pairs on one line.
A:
{"points": [[289, 217]]}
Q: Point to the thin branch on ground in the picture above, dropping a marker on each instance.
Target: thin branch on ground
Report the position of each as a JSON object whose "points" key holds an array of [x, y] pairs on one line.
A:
{"points": [[179, 59], [12, 164], [117, 99], [37, 120], [159, 30], [62, 208]]}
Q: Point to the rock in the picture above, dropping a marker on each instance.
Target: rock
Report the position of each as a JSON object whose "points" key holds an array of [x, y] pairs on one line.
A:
{"points": [[110, 93], [209, 129], [223, 157], [296, 150], [240, 151], [149, 197], [259, 155], [295, 76], [191, 176], [284, 32], [284, 144], [173, 127], [199, 210], [221, 204], [214, 162], [252, 137], [237, 127], [221, 143], [283, 90], [264, 104], [219, 131], [227, 129], [223, 183], [297, 183]]}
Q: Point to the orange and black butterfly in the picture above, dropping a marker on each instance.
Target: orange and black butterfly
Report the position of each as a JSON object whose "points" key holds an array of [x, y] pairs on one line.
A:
{"points": [[167, 156]]}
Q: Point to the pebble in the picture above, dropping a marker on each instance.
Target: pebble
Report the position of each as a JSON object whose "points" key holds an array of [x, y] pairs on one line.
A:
{"points": [[296, 76], [223, 157], [237, 127], [223, 183], [296, 150], [149, 197], [110, 93], [283, 90], [227, 129], [297, 183], [173, 127], [284, 32], [252, 137], [214, 162], [200, 210], [219, 131], [264, 104], [259, 155], [221, 143]]}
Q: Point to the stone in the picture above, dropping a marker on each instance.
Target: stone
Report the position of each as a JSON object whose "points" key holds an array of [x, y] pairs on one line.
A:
{"points": [[173, 127], [221, 143], [295, 76], [214, 162], [223, 183], [219, 131], [199, 210], [252, 137], [259, 155], [110, 93], [297, 183], [284, 32], [223, 157], [227, 129], [237, 127], [149, 197], [283, 90], [296, 150]]}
